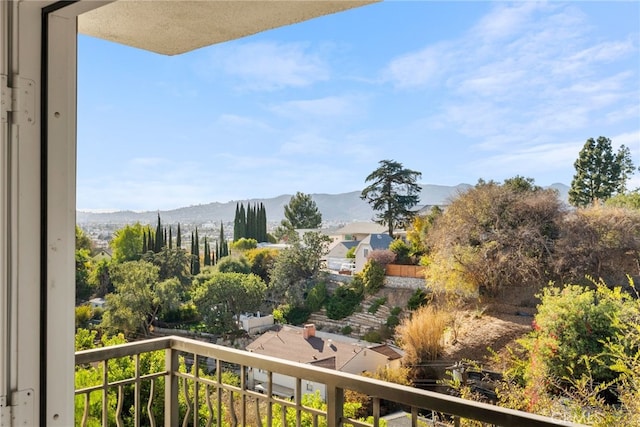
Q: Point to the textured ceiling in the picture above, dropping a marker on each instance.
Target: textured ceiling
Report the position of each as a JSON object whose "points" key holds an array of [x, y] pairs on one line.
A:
{"points": [[178, 26]]}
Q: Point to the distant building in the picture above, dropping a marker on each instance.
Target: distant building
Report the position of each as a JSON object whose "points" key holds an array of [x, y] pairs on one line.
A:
{"points": [[256, 323], [98, 303], [103, 253], [359, 230], [338, 254], [370, 243]]}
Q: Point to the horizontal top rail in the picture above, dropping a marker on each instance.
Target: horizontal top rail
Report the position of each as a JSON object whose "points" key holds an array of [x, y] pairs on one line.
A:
{"points": [[406, 395]]}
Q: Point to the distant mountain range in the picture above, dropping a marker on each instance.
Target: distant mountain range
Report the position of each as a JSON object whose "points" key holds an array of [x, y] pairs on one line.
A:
{"points": [[335, 208]]}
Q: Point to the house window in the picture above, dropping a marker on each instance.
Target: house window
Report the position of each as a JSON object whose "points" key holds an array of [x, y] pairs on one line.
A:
{"points": [[366, 253], [309, 387]]}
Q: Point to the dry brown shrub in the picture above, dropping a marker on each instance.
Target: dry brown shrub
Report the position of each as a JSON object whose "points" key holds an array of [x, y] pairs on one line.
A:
{"points": [[422, 336]]}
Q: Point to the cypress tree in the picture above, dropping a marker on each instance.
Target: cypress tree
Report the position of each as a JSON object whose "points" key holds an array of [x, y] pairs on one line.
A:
{"points": [[207, 254], [150, 239], [251, 220], [243, 221], [236, 224], [144, 241], [262, 224], [179, 238], [191, 258], [222, 241], [197, 255], [170, 239], [158, 243], [215, 261]]}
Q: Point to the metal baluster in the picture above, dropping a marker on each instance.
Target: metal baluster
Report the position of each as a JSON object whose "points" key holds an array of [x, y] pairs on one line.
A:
{"points": [[85, 412], [185, 390], [152, 390], [136, 390], [105, 391], [243, 396], [119, 421], [376, 412], [196, 389], [258, 418], [232, 410], [209, 405]]}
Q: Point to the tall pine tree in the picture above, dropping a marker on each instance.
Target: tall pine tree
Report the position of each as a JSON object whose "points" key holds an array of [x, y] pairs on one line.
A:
{"points": [[178, 238], [600, 173]]}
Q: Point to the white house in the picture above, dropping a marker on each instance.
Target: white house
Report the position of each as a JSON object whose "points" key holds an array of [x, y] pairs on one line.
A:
{"points": [[255, 323], [359, 230], [370, 243], [304, 345]]}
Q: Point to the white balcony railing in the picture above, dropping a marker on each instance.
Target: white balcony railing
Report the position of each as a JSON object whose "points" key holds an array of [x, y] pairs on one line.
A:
{"points": [[193, 399]]}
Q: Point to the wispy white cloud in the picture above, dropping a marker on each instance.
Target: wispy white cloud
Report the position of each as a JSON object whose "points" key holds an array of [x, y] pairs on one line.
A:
{"points": [[269, 65], [523, 73], [306, 144], [505, 21], [331, 106], [426, 67]]}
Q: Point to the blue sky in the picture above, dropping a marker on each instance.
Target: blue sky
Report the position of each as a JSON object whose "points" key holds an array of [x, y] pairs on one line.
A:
{"points": [[455, 90]]}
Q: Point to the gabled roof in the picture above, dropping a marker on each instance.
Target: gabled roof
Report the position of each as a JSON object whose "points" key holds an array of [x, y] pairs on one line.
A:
{"points": [[377, 241], [341, 248], [288, 343], [361, 228], [387, 351]]}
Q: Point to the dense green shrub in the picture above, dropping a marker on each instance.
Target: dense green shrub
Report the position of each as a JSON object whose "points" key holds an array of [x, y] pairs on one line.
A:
{"points": [[233, 265], [343, 303], [351, 253], [572, 327], [346, 330], [393, 321], [316, 297], [296, 315], [372, 336], [373, 308], [244, 244], [418, 299], [582, 359], [373, 276], [401, 249]]}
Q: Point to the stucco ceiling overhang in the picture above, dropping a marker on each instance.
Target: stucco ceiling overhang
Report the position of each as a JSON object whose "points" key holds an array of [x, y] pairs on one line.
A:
{"points": [[176, 26]]}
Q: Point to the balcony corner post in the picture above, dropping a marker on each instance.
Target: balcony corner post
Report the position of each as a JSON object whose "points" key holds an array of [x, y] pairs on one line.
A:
{"points": [[171, 407], [335, 403]]}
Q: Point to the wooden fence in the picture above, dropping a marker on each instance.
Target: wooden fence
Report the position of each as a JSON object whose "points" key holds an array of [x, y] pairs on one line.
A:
{"points": [[398, 270]]}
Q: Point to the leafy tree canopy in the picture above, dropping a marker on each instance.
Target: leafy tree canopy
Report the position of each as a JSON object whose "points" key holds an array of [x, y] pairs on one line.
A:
{"points": [[82, 240], [393, 192], [138, 298], [221, 299], [628, 200], [297, 267], [127, 243]]}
